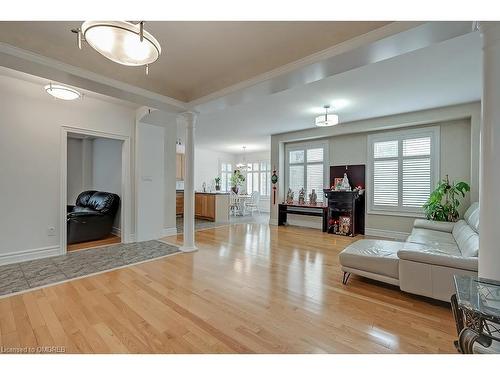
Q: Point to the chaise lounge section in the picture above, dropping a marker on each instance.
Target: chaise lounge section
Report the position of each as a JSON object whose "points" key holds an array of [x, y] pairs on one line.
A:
{"points": [[426, 262]]}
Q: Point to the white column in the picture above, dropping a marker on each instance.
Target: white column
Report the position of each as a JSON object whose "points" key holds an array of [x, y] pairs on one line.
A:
{"points": [[489, 242], [189, 119]]}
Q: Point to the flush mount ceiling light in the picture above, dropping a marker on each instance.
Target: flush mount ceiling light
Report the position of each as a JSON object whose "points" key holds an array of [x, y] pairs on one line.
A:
{"points": [[328, 119], [62, 92], [123, 42]]}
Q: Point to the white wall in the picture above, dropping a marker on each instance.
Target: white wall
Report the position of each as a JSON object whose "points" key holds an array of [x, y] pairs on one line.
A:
{"points": [[206, 166], [107, 170], [30, 161], [75, 169], [150, 170]]}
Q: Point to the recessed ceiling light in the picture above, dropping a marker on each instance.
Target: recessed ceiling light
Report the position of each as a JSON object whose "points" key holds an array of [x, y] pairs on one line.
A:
{"points": [[123, 42], [328, 119], [62, 92]]}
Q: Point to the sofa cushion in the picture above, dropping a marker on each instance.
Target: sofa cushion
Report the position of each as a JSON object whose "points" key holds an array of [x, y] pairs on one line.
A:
{"points": [[432, 237], [436, 257], [467, 239], [472, 208], [472, 217], [442, 226], [375, 256]]}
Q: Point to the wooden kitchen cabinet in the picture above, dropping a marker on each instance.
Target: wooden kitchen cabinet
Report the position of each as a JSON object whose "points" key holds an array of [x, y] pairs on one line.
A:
{"points": [[179, 167], [179, 203], [204, 206]]}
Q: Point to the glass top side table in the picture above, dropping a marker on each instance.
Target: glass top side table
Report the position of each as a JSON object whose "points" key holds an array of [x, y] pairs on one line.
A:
{"points": [[476, 309]]}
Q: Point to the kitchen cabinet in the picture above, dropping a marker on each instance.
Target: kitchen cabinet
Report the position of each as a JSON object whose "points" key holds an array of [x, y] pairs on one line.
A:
{"points": [[204, 206], [179, 203], [179, 167]]}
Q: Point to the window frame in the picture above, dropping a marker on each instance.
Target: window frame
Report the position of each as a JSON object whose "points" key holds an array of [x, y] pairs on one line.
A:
{"points": [[431, 131], [305, 146], [227, 173], [258, 174]]}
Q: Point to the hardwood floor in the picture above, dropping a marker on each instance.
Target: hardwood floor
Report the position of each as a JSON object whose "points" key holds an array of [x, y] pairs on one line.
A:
{"points": [[110, 240], [250, 288]]}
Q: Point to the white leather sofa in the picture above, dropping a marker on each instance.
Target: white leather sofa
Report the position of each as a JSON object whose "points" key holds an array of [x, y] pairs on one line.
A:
{"points": [[426, 262]]}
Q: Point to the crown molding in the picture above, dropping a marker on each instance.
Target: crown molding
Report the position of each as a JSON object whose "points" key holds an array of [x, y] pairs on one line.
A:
{"points": [[41, 66]]}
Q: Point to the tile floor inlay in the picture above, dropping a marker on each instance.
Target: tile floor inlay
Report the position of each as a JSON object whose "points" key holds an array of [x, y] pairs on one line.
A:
{"points": [[35, 273]]}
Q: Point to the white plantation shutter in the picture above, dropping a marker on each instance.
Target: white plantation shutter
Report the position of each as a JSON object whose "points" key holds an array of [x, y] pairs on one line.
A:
{"points": [[385, 183], [315, 180], [403, 169], [306, 169], [416, 182]]}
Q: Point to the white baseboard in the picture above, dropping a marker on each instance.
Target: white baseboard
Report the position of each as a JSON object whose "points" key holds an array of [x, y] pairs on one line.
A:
{"points": [[273, 221], [30, 254], [116, 231], [169, 231], [386, 233]]}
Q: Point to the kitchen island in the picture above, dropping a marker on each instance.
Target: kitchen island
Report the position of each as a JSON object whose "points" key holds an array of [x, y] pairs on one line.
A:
{"points": [[211, 206]]}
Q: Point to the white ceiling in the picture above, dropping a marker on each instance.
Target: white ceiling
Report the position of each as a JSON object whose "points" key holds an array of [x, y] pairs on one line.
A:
{"points": [[198, 57], [443, 74]]}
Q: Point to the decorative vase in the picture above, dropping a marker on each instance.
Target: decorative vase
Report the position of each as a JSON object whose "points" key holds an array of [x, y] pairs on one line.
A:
{"points": [[235, 189], [217, 187]]}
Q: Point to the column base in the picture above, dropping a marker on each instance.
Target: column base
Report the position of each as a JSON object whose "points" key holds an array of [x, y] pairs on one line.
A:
{"points": [[188, 249]]}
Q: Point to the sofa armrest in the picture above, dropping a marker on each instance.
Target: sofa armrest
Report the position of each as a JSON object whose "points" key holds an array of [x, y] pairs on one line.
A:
{"points": [[433, 257], [441, 226], [83, 214]]}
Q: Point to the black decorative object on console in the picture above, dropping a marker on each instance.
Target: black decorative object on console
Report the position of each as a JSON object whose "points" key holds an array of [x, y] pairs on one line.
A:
{"points": [[346, 209]]}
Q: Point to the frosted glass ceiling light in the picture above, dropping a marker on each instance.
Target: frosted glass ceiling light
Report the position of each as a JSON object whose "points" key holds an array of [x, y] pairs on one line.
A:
{"points": [[123, 42], [62, 92], [328, 119]]}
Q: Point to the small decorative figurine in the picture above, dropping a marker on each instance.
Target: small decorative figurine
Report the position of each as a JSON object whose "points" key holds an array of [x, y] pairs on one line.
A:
{"points": [[346, 186], [313, 198], [289, 196], [345, 225], [302, 196]]}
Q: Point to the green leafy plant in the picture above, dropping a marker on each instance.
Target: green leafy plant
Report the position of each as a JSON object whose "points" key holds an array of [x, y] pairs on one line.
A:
{"points": [[237, 180], [443, 202], [217, 183]]}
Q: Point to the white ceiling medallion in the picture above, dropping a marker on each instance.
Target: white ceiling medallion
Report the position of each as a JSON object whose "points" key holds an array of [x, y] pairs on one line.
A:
{"points": [[123, 42], [328, 119], [62, 92]]}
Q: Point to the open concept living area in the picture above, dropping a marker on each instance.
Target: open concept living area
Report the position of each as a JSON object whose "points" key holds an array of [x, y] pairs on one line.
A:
{"points": [[249, 186]]}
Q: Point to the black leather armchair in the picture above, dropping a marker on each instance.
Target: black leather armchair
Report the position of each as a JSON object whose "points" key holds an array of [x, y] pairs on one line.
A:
{"points": [[92, 217]]}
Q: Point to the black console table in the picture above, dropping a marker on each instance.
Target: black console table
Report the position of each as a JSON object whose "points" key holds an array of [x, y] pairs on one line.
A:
{"points": [[349, 204], [476, 309], [303, 209]]}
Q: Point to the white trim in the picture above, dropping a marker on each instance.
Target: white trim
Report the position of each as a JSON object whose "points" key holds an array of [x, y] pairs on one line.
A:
{"points": [[169, 232], [400, 135], [126, 204], [30, 254], [386, 233]]}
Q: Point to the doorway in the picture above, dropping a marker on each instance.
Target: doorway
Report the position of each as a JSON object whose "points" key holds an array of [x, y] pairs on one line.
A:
{"points": [[95, 198]]}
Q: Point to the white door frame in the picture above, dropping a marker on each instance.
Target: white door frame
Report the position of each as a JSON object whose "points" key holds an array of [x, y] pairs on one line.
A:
{"points": [[126, 206]]}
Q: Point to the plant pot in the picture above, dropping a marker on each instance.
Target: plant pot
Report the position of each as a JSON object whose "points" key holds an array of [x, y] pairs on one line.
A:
{"points": [[235, 189], [217, 187]]}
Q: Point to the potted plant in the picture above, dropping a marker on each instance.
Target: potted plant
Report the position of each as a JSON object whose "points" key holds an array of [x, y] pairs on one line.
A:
{"points": [[443, 202], [237, 180], [217, 183]]}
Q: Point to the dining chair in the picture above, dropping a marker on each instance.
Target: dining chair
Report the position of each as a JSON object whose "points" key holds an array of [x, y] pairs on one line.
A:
{"points": [[253, 203], [234, 204]]}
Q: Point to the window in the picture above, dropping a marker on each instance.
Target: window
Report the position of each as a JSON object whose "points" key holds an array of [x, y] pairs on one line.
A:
{"points": [[306, 168], [403, 168], [258, 178], [226, 171]]}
